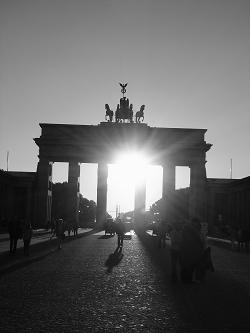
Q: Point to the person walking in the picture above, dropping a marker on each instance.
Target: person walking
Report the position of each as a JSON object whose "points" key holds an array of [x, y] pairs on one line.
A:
{"points": [[75, 228], [59, 232], [120, 231], [15, 232], [191, 249], [27, 235], [11, 231], [162, 232]]}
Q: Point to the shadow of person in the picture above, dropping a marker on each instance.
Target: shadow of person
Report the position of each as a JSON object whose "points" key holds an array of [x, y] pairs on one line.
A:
{"points": [[114, 259]]}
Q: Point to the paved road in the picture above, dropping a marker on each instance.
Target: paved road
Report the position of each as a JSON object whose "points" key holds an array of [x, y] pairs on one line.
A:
{"points": [[86, 288]]}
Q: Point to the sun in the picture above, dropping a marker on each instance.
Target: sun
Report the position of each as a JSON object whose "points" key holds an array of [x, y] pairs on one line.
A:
{"points": [[133, 163], [130, 169]]}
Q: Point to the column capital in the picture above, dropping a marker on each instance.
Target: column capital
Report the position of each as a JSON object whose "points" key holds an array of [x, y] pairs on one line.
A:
{"points": [[168, 162]]}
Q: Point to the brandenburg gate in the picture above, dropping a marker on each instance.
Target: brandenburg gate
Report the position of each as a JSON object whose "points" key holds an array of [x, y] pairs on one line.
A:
{"points": [[75, 144]]}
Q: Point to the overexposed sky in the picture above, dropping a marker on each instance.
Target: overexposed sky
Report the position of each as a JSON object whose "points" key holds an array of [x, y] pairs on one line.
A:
{"points": [[188, 61]]}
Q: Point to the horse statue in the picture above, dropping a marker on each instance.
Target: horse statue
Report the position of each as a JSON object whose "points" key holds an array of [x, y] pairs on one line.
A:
{"points": [[140, 114], [109, 113], [131, 113]]}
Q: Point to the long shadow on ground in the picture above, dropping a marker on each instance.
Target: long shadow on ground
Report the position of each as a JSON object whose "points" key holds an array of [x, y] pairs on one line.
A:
{"points": [[114, 259]]}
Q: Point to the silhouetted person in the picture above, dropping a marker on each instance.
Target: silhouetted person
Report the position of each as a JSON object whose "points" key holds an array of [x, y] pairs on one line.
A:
{"points": [[15, 232], [120, 231], [162, 231], [75, 228], [53, 228], [191, 249], [59, 232], [203, 265], [69, 227], [27, 235]]}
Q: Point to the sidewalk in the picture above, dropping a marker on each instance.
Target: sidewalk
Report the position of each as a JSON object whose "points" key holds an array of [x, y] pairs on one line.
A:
{"points": [[41, 246], [5, 236]]}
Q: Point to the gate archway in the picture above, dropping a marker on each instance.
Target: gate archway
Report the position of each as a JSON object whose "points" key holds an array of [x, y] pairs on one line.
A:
{"points": [[75, 144]]}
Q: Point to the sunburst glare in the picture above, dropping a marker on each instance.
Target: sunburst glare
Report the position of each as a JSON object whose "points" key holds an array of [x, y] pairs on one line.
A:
{"points": [[130, 169]]}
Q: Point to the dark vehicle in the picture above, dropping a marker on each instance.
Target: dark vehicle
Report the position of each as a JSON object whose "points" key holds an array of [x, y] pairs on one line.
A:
{"points": [[154, 227]]}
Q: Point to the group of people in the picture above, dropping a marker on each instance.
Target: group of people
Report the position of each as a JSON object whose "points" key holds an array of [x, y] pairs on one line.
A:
{"points": [[68, 226], [19, 229], [58, 231], [239, 236], [59, 227], [189, 253], [116, 227]]}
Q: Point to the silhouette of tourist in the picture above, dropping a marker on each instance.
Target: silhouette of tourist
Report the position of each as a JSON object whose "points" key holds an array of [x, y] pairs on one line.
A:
{"points": [[162, 231], [27, 235], [69, 227], [120, 231], [53, 228], [15, 232], [175, 231], [59, 232], [75, 227], [191, 249], [205, 263]]}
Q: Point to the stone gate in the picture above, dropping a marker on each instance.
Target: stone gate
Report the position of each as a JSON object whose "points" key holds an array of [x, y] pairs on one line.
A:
{"points": [[75, 144]]}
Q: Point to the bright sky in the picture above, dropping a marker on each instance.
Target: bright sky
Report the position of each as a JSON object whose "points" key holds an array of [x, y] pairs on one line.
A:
{"points": [[187, 61]]}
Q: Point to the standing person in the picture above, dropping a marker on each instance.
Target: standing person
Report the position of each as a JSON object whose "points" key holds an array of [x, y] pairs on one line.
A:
{"points": [[75, 228], [69, 227], [162, 231], [27, 235], [15, 232], [191, 249], [120, 231], [233, 234], [53, 228], [59, 232], [13, 239]]}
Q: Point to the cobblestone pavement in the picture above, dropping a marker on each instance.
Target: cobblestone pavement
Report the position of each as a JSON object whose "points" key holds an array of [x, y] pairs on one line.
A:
{"points": [[84, 287]]}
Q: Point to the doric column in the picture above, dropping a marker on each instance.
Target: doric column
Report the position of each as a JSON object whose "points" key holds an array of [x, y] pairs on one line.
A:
{"points": [[168, 188], [140, 201], [197, 203], [168, 185], [73, 191], [101, 209], [43, 193]]}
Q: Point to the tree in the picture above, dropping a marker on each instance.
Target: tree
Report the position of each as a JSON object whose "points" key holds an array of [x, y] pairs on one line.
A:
{"points": [[87, 214], [60, 195], [172, 207], [59, 200]]}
